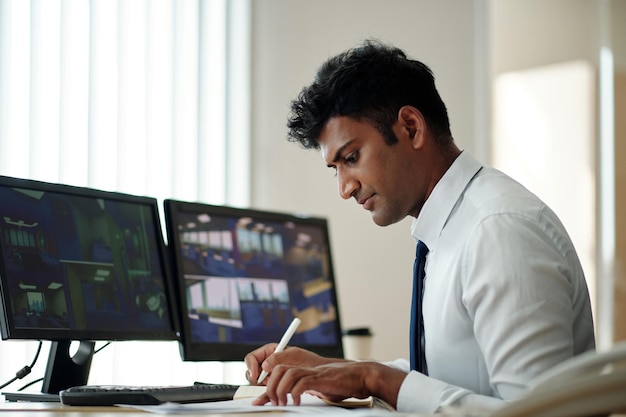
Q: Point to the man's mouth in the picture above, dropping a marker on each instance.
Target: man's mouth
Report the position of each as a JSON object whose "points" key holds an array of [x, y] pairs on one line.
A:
{"points": [[367, 202]]}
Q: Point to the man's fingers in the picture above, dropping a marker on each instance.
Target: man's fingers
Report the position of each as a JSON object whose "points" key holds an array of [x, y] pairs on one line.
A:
{"points": [[261, 400]]}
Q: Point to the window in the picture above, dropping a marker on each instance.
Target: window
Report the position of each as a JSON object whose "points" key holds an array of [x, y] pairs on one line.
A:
{"points": [[131, 96]]}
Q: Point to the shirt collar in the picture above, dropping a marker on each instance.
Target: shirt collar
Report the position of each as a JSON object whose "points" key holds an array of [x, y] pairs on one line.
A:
{"points": [[436, 210]]}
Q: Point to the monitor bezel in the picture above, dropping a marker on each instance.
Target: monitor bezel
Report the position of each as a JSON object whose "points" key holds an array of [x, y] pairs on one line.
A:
{"points": [[8, 329], [194, 351]]}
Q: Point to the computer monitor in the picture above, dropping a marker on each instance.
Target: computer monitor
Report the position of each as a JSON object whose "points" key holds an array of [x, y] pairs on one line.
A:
{"points": [[244, 274], [79, 264]]}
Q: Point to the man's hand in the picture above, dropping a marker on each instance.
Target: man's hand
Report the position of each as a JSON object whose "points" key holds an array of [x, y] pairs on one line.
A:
{"points": [[265, 358], [332, 381]]}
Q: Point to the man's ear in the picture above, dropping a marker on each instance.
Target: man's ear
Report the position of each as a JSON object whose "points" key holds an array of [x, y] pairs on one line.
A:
{"points": [[412, 124]]}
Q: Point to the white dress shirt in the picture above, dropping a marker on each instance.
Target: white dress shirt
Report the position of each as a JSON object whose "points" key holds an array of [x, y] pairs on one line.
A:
{"points": [[505, 296]]}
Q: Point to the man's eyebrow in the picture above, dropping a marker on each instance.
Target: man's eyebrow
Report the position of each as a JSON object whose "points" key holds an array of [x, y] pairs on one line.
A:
{"points": [[338, 153]]}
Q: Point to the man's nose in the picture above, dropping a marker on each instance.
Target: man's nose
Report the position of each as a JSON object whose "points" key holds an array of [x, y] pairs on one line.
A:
{"points": [[348, 185]]}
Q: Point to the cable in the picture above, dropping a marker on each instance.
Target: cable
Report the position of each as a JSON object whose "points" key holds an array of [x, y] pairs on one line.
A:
{"points": [[25, 370], [30, 383], [101, 347]]}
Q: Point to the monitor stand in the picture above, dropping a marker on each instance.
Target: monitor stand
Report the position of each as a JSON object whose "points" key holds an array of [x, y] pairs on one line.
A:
{"points": [[38, 397], [63, 371]]}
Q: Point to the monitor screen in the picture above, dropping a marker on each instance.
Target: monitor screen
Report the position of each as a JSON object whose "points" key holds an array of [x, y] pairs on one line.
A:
{"points": [[244, 274], [82, 264]]}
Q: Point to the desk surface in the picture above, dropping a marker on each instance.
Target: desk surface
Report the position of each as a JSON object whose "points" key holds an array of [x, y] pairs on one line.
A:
{"points": [[23, 409]]}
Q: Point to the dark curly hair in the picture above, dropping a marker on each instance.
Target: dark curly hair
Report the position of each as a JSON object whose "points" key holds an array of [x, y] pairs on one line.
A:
{"points": [[369, 82]]}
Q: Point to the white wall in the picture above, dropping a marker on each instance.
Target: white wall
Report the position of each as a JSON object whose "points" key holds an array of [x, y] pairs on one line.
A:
{"points": [[534, 33], [291, 38]]}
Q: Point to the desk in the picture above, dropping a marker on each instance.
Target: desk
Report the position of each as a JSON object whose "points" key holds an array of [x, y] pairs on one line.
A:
{"points": [[14, 409], [23, 409]]}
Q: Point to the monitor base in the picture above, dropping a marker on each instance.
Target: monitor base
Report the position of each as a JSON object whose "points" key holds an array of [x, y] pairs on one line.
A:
{"points": [[39, 397]]}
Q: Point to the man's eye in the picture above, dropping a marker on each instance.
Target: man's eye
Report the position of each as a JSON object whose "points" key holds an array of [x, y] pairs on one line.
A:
{"points": [[352, 158]]}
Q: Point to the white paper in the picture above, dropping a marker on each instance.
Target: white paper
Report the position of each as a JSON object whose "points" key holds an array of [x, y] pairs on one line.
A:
{"points": [[308, 404]]}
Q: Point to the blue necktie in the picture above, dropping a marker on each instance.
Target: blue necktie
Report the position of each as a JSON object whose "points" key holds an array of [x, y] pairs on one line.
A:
{"points": [[418, 356]]}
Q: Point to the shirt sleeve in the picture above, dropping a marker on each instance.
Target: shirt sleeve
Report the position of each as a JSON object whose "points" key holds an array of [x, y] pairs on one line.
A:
{"points": [[435, 394], [421, 393]]}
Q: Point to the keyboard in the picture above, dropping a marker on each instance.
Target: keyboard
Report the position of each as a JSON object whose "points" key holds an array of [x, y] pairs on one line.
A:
{"points": [[106, 395]]}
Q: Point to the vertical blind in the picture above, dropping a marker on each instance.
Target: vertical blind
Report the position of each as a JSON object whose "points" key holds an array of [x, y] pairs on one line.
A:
{"points": [[147, 97]]}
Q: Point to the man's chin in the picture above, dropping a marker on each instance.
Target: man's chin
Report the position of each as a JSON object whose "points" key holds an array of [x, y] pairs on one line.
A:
{"points": [[386, 217], [382, 221]]}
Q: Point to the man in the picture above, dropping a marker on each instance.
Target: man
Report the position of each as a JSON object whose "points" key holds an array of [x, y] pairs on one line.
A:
{"points": [[504, 294]]}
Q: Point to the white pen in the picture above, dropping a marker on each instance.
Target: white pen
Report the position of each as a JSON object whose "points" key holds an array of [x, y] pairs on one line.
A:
{"points": [[283, 343]]}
